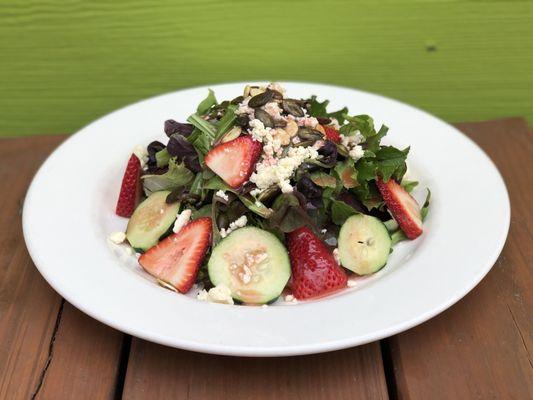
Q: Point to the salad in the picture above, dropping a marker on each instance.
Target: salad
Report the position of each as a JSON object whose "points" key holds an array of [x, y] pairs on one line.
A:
{"points": [[265, 196]]}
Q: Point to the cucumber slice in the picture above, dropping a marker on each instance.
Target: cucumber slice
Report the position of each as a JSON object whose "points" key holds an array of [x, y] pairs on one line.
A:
{"points": [[151, 220], [364, 244], [252, 263]]}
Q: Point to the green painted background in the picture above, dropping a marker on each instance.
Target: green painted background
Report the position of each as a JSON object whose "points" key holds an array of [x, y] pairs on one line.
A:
{"points": [[63, 64]]}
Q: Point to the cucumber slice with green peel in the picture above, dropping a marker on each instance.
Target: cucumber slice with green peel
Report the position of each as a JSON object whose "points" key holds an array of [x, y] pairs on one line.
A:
{"points": [[364, 244], [252, 263], [151, 219]]}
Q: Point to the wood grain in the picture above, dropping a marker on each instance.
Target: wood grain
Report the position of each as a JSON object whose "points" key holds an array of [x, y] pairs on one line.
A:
{"points": [[28, 306], [47, 350], [158, 372], [482, 347], [66, 63], [85, 362]]}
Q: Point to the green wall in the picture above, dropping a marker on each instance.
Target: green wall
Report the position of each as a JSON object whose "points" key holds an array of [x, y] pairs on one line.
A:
{"points": [[63, 64]]}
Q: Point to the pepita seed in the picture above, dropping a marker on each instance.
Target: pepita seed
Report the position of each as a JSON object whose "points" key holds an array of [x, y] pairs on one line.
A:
{"points": [[166, 285], [233, 133], [261, 99], [291, 107], [254, 91], [306, 133], [264, 117]]}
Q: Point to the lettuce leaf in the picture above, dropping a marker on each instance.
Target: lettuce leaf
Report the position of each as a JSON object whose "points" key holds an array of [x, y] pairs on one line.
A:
{"points": [[207, 103], [319, 110], [176, 176], [340, 212]]}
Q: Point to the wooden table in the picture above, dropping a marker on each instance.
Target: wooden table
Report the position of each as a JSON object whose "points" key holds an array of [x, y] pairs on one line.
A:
{"points": [[478, 349]]}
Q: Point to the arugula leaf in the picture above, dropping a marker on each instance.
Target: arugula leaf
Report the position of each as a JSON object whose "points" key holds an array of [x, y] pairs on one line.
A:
{"points": [[390, 161], [255, 206], [323, 180], [409, 185], [226, 122], [204, 211], [204, 126], [176, 176], [207, 103], [340, 212], [347, 173], [425, 208], [373, 141], [362, 123], [162, 158], [200, 141], [317, 109]]}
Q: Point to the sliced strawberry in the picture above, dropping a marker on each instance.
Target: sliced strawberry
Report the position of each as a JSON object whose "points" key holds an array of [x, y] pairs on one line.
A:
{"points": [[315, 272], [234, 161], [177, 258], [130, 190], [402, 206], [332, 133]]}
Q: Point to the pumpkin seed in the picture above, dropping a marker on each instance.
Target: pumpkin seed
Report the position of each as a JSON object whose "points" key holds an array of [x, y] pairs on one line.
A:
{"points": [[237, 100], [291, 107], [233, 133], [306, 133], [264, 117], [305, 143], [268, 193], [279, 123], [242, 120], [276, 95], [261, 99], [255, 90]]}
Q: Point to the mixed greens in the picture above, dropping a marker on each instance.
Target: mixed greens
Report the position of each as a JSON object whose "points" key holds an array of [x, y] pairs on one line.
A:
{"points": [[281, 165]]}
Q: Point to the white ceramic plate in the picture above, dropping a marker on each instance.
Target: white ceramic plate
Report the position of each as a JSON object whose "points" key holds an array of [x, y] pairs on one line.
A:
{"points": [[69, 212]]}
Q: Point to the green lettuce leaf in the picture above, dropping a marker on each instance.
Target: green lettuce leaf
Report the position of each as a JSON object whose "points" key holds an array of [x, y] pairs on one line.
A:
{"points": [[176, 176], [318, 109], [323, 180], [207, 103], [340, 212]]}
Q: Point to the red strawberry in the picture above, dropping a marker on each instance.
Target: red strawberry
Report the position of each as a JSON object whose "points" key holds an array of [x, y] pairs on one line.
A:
{"points": [[332, 133], [234, 161], [130, 190], [177, 258], [315, 272], [402, 206]]}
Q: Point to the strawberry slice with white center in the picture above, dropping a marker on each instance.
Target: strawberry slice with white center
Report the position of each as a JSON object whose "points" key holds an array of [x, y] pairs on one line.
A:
{"points": [[234, 161], [177, 258], [130, 190], [402, 206]]}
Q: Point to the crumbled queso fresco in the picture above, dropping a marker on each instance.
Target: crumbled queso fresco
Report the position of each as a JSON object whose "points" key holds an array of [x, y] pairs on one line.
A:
{"points": [[277, 163], [238, 223], [181, 220], [218, 294]]}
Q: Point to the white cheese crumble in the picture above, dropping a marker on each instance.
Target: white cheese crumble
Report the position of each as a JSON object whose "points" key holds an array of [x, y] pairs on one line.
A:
{"points": [[352, 144], [219, 294], [289, 297], [222, 195], [117, 237], [323, 231], [142, 154], [181, 220], [238, 223], [356, 152], [280, 172], [273, 109], [336, 256], [351, 283]]}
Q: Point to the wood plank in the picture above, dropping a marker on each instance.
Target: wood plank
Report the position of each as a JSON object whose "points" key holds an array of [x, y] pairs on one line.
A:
{"points": [[158, 372], [66, 63], [481, 347], [28, 306], [85, 361]]}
